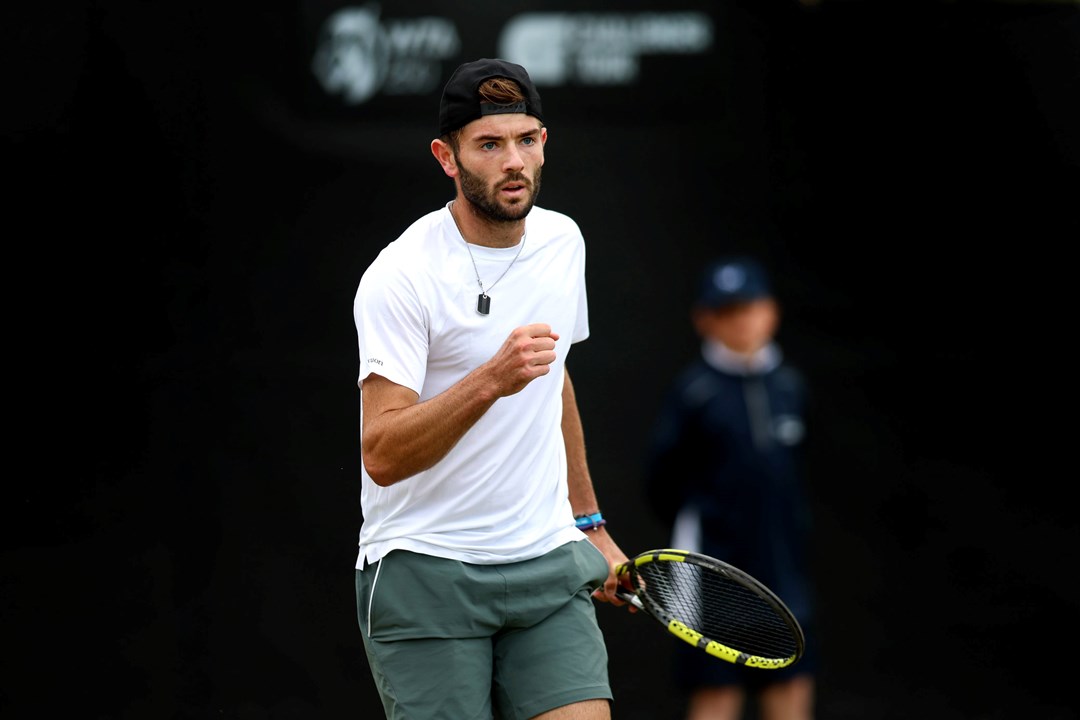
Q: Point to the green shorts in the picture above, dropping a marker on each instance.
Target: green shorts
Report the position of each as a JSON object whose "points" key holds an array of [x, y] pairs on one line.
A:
{"points": [[453, 640]]}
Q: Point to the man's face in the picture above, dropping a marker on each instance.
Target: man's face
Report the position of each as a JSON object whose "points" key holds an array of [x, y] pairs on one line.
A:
{"points": [[744, 327], [499, 159]]}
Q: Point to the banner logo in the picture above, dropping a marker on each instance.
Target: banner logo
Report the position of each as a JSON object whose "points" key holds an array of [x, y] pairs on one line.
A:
{"points": [[360, 55]]}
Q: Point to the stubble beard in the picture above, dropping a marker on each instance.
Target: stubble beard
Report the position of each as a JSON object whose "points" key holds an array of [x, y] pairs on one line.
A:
{"points": [[484, 200]]}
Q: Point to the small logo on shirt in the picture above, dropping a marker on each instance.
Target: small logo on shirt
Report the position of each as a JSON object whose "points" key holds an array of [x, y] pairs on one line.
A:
{"points": [[374, 361], [789, 429]]}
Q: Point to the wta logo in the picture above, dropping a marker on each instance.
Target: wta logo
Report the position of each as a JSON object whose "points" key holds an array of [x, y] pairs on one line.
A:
{"points": [[358, 56]]}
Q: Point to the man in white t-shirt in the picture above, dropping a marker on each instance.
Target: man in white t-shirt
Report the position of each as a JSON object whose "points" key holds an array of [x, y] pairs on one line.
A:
{"points": [[482, 544]]}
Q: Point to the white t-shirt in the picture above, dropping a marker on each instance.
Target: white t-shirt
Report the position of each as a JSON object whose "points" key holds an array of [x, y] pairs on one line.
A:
{"points": [[500, 495]]}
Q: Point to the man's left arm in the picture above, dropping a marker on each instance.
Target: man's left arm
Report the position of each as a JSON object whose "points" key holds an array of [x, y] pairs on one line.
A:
{"points": [[582, 494]]}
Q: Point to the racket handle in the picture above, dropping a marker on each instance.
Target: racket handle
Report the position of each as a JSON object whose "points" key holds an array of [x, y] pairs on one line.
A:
{"points": [[630, 598]]}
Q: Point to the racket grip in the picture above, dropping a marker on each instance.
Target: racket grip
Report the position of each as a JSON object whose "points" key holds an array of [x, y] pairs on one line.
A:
{"points": [[629, 597]]}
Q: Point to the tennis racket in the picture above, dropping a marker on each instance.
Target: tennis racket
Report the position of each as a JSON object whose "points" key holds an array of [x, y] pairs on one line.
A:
{"points": [[714, 607]]}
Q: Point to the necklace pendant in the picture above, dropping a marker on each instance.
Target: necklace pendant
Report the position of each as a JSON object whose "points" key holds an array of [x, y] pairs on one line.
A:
{"points": [[483, 304]]}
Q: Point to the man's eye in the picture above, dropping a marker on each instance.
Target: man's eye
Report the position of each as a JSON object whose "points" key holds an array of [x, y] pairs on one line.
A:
{"points": [[528, 141], [488, 146]]}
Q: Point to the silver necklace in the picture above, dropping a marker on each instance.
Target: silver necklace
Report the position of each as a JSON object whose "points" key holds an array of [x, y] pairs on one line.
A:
{"points": [[483, 301]]}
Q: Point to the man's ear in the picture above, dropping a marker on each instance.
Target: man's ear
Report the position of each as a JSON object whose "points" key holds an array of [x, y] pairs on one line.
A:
{"points": [[701, 318], [444, 154]]}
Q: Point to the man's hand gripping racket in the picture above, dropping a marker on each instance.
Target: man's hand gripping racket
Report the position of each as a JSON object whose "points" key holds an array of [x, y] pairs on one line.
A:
{"points": [[714, 607]]}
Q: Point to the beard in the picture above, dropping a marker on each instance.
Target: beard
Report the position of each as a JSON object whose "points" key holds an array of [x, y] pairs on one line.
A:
{"points": [[484, 199]]}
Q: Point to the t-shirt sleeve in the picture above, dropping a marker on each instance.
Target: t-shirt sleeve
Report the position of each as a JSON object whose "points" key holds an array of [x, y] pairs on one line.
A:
{"points": [[391, 328], [581, 327]]}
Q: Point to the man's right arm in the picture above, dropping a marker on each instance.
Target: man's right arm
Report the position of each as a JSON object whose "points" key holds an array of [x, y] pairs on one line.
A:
{"points": [[401, 436]]}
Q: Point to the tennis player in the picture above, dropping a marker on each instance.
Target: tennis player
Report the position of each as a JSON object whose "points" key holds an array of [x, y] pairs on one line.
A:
{"points": [[482, 543]]}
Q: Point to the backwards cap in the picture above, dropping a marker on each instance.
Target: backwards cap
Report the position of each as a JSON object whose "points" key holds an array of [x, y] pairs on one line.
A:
{"points": [[461, 104]]}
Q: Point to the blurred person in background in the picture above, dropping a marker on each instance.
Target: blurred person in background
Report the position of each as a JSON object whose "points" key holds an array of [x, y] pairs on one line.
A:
{"points": [[725, 474]]}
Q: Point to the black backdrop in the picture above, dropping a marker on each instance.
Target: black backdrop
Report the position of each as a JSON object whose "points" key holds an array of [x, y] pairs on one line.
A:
{"points": [[187, 228]]}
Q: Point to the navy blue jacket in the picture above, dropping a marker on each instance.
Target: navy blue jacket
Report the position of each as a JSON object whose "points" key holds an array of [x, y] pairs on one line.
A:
{"points": [[729, 443]]}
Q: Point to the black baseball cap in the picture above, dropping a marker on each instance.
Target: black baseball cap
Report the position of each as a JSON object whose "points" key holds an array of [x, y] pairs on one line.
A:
{"points": [[732, 280], [460, 104]]}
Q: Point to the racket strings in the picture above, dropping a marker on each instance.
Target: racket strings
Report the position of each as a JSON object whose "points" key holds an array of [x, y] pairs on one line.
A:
{"points": [[719, 607]]}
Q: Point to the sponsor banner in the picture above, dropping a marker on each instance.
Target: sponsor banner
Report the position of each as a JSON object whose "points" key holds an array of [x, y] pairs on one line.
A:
{"points": [[386, 63]]}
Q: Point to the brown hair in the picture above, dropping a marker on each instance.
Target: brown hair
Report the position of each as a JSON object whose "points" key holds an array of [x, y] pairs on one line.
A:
{"points": [[500, 91]]}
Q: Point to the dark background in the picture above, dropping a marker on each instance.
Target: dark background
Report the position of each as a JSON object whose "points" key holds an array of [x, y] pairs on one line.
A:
{"points": [[187, 228]]}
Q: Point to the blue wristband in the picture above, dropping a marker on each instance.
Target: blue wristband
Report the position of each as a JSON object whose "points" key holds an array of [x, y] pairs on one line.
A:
{"points": [[590, 522]]}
